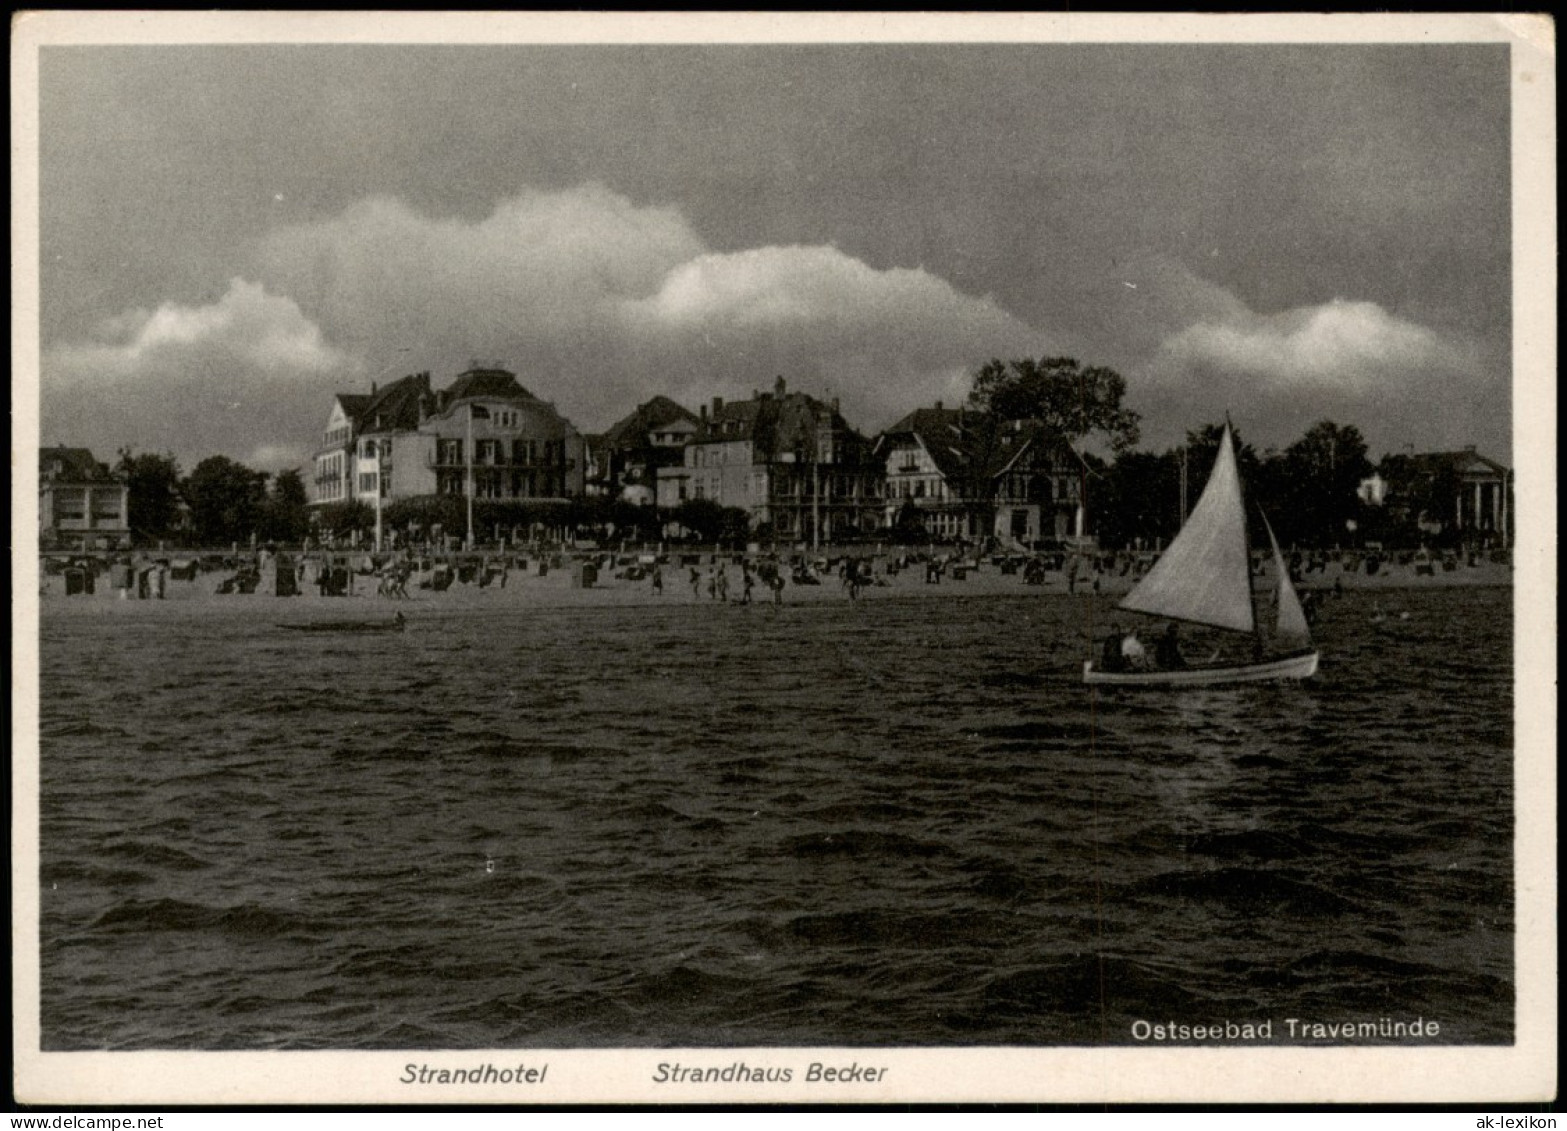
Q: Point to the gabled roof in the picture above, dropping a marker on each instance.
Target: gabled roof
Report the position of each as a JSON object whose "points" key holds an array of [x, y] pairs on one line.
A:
{"points": [[76, 465], [940, 431], [394, 407], [777, 424], [485, 383], [353, 404], [657, 413], [956, 440], [1029, 437], [1463, 462]]}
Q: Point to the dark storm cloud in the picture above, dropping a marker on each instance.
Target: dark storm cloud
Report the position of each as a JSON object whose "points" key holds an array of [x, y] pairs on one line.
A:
{"points": [[1302, 228]]}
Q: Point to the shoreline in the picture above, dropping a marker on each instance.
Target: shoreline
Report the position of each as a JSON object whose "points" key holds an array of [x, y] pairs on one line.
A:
{"points": [[525, 590]]}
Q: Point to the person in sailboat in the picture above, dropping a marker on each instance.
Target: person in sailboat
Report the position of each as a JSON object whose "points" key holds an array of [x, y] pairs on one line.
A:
{"points": [[1167, 653], [1110, 655], [1134, 656]]}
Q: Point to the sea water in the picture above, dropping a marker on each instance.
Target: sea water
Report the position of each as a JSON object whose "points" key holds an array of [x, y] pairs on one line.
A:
{"points": [[899, 822]]}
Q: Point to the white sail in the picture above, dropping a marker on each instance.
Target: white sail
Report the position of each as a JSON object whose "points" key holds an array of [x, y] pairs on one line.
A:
{"points": [[1291, 625], [1204, 576]]}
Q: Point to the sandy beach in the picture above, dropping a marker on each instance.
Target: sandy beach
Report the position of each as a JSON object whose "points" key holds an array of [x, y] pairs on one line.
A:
{"points": [[524, 588]]}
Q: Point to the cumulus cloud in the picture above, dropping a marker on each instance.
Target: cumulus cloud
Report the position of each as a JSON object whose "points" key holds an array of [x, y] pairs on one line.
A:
{"points": [[247, 327], [1339, 345], [885, 339], [194, 379], [541, 266], [597, 303], [1349, 360], [816, 289]]}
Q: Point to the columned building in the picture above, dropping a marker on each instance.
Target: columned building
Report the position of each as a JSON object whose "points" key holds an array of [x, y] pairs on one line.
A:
{"points": [[1460, 494]]}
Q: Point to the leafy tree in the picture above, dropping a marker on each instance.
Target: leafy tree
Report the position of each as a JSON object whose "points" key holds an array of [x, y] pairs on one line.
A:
{"points": [[1072, 401], [1318, 486], [344, 518], [226, 500], [908, 528], [1419, 491], [153, 484], [1137, 498], [711, 522], [420, 514], [286, 516], [1065, 399], [734, 526]]}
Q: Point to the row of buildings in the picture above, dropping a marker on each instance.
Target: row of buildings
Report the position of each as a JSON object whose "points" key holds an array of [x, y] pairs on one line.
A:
{"points": [[789, 460]]}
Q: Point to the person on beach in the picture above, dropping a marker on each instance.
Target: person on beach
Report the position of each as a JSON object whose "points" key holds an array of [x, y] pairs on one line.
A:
{"points": [[746, 583], [1071, 575], [722, 580], [658, 580], [696, 583], [776, 582]]}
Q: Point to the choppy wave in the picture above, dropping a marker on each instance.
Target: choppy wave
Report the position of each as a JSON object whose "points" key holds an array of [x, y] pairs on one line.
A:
{"points": [[898, 823]]}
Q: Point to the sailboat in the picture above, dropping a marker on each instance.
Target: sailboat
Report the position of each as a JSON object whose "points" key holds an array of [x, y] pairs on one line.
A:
{"points": [[1205, 578]]}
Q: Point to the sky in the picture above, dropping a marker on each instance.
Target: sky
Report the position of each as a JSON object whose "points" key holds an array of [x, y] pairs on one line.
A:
{"points": [[231, 235]]}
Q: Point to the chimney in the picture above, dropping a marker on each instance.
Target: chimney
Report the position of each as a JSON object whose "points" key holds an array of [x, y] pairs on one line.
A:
{"points": [[938, 406], [779, 387], [702, 413], [718, 406], [372, 388]]}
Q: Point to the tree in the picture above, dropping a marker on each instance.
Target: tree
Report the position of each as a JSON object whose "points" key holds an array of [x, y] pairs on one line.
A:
{"points": [[1065, 400], [1137, 498], [908, 528], [286, 515], [226, 500], [345, 518], [1068, 399], [709, 521], [153, 484], [1318, 486], [1420, 494]]}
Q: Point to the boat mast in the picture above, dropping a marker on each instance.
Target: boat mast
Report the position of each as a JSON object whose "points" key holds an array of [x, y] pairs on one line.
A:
{"points": [[1251, 593]]}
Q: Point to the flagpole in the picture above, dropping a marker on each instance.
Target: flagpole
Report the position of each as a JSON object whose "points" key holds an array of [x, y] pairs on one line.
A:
{"points": [[378, 473], [468, 451]]}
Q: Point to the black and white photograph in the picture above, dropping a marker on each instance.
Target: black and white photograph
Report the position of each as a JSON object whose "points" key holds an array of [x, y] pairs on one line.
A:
{"points": [[693, 559]]}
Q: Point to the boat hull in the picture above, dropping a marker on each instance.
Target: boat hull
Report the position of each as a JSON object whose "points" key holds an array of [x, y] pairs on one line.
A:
{"points": [[1302, 665], [346, 626]]}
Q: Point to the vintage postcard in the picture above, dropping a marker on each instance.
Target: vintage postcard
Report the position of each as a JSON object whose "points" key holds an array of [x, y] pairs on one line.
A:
{"points": [[786, 559]]}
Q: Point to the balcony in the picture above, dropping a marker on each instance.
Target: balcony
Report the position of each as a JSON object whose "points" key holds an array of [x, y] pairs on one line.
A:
{"points": [[434, 462]]}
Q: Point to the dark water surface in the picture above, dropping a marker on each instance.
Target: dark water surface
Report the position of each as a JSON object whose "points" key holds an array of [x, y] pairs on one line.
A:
{"points": [[891, 823]]}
